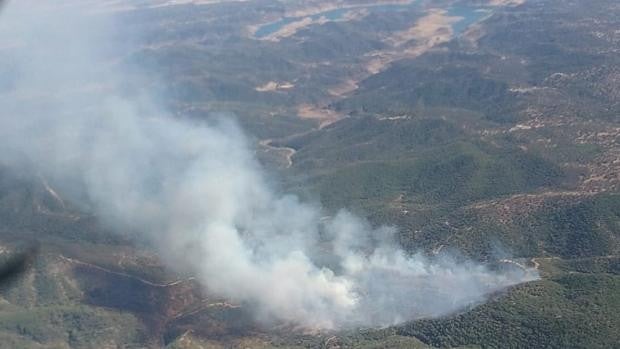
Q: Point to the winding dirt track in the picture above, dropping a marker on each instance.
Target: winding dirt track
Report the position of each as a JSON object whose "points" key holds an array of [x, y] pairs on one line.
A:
{"points": [[288, 152], [133, 277]]}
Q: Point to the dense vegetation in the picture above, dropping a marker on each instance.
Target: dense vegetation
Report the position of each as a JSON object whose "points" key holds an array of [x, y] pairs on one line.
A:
{"points": [[502, 143], [567, 311]]}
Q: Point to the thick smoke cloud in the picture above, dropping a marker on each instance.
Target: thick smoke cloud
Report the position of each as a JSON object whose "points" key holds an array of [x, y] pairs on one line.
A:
{"points": [[195, 191]]}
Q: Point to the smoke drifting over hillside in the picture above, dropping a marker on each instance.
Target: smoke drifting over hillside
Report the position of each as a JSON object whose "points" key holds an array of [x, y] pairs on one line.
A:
{"points": [[195, 191]]}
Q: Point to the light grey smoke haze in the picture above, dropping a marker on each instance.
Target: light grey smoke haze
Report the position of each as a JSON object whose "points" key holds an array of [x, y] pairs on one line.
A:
{"points": [[196, 192]]}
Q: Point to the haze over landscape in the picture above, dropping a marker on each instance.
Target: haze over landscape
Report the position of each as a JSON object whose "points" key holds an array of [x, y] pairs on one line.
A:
{"points": [[310, 174]]}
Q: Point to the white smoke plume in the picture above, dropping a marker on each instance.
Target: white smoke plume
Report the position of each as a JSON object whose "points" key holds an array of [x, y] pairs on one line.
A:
{"points": [[196, 192]]}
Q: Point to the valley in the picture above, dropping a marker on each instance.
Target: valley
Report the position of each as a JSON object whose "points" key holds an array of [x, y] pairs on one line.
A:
{"points": [[485, 128]]}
